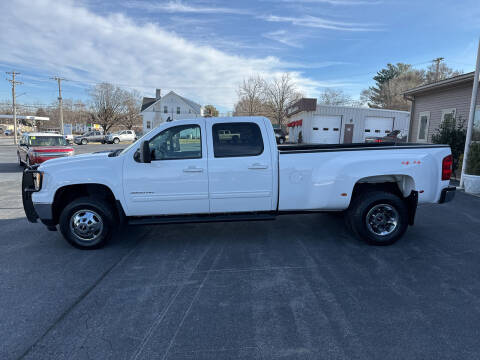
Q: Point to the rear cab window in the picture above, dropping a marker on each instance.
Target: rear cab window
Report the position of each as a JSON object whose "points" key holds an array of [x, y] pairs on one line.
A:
{"points": [[237, 139]]}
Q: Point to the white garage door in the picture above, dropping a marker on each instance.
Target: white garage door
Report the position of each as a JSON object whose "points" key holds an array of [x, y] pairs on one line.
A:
{"points": [[326, 129], [377, 126]]}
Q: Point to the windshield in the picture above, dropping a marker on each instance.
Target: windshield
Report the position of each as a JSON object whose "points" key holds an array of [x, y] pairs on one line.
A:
{"points": [[47, 141]]}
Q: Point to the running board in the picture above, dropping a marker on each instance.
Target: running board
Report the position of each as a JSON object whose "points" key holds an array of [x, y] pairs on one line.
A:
{"points": [[151, 220]]}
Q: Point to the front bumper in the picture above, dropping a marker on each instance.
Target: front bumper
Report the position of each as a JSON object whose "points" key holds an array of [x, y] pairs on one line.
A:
{"points": [[448, 194], [34, 211], [27, 186]]}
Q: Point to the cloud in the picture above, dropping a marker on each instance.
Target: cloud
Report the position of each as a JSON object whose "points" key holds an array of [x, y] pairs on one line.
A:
{"points": [[180, 7], [338, 2], [318, 22], [283, 37], [51, 37]]}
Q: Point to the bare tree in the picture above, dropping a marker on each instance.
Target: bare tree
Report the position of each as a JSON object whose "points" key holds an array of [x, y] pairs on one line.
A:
{"points": [[251, 93], [107, 105], [280, 93], [335, 97], [132, 105]]}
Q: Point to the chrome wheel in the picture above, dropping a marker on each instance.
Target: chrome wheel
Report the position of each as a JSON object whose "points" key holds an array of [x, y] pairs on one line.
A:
{"points": [[86, 225], [382, 219]]}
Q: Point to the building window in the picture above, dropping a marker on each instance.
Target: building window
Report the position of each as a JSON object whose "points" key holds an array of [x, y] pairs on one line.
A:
{"points": [[189, 111], [165, 110], [423, 122], [149, 124], [448, 114], [178, 109]]}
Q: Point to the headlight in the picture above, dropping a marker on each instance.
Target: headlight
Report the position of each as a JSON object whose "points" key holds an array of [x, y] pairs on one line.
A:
{"points": [[37, 180]]}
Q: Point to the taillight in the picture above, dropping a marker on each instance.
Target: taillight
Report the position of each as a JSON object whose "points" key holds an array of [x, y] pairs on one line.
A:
{"points": [[447, 167]]}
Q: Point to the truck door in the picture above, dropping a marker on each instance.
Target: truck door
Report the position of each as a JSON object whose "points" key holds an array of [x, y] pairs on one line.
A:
{"points": [[239, 167], [176, 181]]}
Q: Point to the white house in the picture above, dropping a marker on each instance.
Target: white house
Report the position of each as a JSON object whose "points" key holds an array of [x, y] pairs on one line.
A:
{"points": [[325, 124], [167, 108]]}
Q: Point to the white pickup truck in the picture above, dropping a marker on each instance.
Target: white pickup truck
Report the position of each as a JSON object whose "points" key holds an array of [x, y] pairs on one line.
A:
{"points": [[185, 171]]}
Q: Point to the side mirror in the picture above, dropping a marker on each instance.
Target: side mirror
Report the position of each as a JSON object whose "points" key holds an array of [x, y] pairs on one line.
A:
{"points": [[145, 154]]}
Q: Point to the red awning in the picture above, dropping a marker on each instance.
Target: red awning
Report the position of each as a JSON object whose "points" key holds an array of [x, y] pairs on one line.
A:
{"points": [[299, 122]]}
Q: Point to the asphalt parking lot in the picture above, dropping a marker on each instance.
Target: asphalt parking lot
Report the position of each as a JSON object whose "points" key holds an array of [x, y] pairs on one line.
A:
{"points": [[300, 287]]}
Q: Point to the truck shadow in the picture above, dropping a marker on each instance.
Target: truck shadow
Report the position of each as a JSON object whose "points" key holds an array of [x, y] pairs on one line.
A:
{"points": [[9, 168]]}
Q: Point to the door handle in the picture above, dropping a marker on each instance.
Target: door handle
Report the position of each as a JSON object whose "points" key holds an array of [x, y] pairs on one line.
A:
{"points": [[258, 166], [193, 169]]}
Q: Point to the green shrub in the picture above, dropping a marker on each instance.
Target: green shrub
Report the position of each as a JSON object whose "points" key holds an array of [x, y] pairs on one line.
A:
{"points": [[473, 160], [452, 132]]}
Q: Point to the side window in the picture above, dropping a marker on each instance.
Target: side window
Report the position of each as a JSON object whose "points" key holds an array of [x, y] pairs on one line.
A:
{"points": [[178, 109], [165, 109], [148, 124], [237, 139], [178, 142]]}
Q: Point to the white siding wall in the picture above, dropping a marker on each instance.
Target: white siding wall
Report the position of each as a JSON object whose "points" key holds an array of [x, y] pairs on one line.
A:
{"points": [[350, 115]]}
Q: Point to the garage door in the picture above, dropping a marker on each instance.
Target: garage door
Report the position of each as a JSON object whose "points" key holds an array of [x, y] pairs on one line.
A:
{"points": [[326, 129], [377, 126]]}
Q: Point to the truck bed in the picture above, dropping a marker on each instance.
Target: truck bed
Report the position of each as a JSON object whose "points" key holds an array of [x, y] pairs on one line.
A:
{"points": [[302, 148]]}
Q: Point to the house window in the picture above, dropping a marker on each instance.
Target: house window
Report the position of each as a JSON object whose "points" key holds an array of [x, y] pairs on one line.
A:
{"points": [[448, 114], [165, 110], [189, 111], [178, 109], [149, 124], [423, 122]]}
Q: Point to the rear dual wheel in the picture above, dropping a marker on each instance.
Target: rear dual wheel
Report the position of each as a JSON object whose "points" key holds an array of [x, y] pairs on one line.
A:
{"points": [[378, 217]]}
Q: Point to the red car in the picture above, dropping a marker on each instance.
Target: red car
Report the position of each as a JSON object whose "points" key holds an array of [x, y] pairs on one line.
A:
{"points": [[35, 148]]}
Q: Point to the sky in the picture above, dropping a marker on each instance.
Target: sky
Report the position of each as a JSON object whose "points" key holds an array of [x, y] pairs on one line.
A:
{"points": [[203, 49]]}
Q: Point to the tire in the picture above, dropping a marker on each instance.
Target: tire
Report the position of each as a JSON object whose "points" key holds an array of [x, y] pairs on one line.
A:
{"points": [[103, 142], [378, 217], [281, 141], [76, 222], [84, 142], [116, 140]]}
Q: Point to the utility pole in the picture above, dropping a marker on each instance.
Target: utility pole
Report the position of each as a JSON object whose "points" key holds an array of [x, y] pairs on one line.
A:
{"points": [[13, 82], [437, 67], [471, 115], [60, 103]]}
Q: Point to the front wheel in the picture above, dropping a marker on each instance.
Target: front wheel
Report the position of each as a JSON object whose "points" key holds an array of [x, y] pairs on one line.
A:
{"points": [[116, 140], [87, 223], [378, 217], [84, 141]]}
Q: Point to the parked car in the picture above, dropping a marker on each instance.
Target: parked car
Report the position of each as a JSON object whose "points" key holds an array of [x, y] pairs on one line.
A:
{"points": [[35, 148], [165, 178], [394, 136], [9, 132], [227, 135], [90, 136], [280, 136], [124, 135]]}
